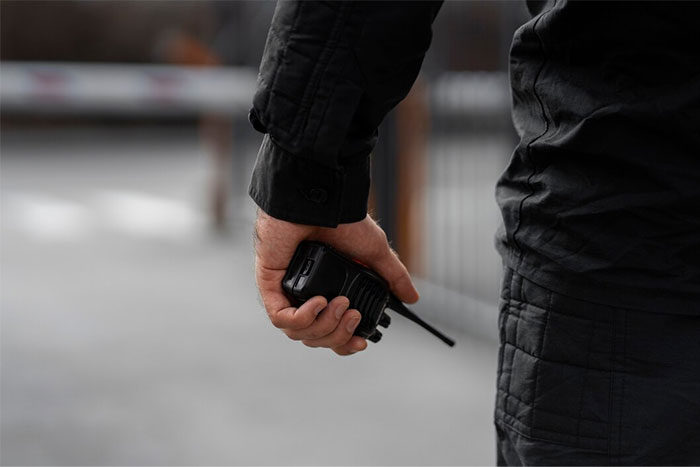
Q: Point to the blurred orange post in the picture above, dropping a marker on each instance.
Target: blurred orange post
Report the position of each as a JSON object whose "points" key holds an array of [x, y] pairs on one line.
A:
{"points": [[412, 127], [215, 130]]}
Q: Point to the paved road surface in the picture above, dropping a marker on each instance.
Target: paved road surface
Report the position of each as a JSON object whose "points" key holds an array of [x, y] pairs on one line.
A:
{"points": [[132, 336]]}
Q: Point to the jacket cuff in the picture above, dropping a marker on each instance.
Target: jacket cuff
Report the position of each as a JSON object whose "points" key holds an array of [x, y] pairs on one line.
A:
{"points": [[302, 191]]}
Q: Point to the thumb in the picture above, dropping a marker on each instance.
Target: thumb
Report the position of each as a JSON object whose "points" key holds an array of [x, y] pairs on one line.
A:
{"points": [[366, 242], [388, 265]]}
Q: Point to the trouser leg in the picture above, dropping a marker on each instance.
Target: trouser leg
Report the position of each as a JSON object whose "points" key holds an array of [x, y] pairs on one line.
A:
{"points": [[585, 384]]}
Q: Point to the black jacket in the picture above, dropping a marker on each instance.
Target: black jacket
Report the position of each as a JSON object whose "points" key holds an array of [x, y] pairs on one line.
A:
{"points": [[601, 199], [330, 73]]}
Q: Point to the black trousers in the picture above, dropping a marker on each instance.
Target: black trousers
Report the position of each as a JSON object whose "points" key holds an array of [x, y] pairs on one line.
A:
{"points": [[586, 384]]}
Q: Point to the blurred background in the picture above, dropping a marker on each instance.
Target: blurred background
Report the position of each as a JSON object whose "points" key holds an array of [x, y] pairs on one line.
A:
{"points": [[131, 329]]}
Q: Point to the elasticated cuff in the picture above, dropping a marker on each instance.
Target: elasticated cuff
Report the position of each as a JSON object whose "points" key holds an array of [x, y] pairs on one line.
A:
{"points": [[299, 190]]}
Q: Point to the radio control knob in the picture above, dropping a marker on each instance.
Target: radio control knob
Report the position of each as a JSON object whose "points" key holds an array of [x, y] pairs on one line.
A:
{"points": [[375, 337], [384, 320]]}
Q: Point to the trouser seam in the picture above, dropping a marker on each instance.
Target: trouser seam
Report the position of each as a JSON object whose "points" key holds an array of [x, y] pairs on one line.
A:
{"points": [[583, 383], [611, 391], [505, 325], [505, 425], [622, 390], [539, 359]]}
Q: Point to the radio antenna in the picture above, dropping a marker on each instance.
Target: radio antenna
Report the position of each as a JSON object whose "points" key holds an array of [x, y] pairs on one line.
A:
{"points": [[396, 305]]}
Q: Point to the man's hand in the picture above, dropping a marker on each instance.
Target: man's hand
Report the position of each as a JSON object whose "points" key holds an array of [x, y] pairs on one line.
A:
{"points": [[317, 323]]}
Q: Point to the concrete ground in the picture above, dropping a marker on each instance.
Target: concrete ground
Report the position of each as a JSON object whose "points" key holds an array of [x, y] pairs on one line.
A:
{"points": [[131, 336]]}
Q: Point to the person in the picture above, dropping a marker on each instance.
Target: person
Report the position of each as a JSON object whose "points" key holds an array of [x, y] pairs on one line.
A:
{"points": [[599, 360]]}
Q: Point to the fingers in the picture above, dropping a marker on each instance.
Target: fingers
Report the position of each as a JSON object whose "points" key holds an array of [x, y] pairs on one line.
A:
{"points": [[333, 328], [354, 345], [341, 335], [280, 310], [326, 322], [292, 318]]}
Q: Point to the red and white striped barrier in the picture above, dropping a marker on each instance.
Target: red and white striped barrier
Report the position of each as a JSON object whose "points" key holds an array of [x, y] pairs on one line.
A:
{"points": [[124, 89]]}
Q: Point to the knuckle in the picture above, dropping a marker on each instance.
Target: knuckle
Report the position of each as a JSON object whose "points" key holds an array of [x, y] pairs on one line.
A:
{"points": [[316, 343], [291, 334], [304, 321], [324, 330], [342, 352], [314, 334], [340, 339], [276, 322], [298, 321]]}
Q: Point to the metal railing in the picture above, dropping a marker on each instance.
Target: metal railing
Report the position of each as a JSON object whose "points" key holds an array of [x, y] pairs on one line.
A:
{"points": [[468, 145]]}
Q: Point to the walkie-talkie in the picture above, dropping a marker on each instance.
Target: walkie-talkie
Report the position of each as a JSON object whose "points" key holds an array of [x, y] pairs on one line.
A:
{"points": [[317, 269]]}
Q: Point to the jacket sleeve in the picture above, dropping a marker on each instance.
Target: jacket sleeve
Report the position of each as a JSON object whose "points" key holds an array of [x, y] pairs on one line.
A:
{"points": [[330, 73]]}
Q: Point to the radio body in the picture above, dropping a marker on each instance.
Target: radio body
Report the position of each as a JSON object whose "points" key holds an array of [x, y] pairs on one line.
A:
{"points": [[317, 269]]}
